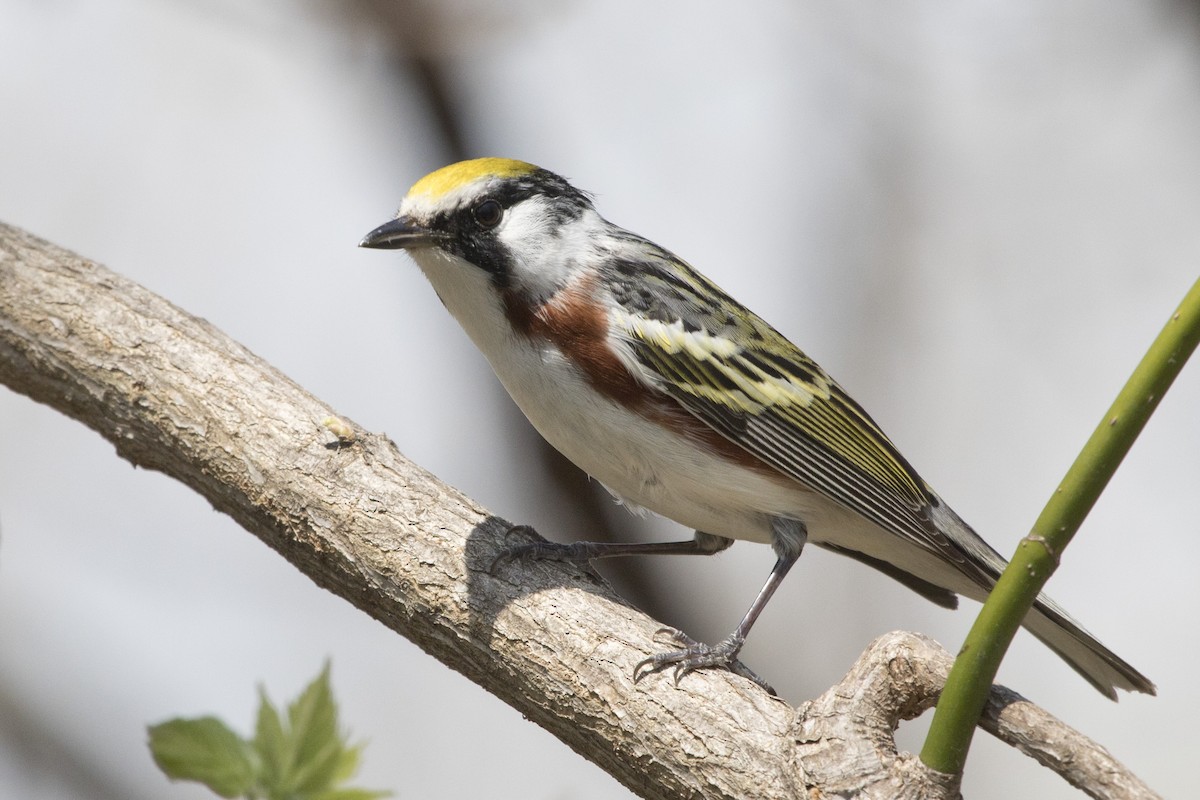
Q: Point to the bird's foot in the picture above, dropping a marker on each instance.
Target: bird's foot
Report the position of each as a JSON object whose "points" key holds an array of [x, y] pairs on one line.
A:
{"points": [[694, 655], [541, 550]]}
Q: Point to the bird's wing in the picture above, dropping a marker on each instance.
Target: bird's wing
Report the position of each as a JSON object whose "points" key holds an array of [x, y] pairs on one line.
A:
{"points": [[730, 369]]}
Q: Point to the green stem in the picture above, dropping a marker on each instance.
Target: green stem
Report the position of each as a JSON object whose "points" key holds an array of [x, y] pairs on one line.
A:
{"points": [[967, 686]]}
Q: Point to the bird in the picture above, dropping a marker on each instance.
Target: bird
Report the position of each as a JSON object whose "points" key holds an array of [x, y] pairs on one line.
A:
{"points": [[680, 400]]}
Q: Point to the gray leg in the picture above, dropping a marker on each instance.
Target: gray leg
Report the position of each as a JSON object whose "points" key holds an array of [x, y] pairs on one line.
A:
{"points": [[702, 544], [788, 538]]}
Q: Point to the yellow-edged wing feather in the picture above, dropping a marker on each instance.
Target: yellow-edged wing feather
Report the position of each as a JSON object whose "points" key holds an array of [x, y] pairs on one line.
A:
{"points": [[737, 374]]}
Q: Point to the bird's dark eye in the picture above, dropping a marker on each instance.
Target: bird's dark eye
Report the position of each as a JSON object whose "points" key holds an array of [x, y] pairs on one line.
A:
{"points": [[488, 213]]}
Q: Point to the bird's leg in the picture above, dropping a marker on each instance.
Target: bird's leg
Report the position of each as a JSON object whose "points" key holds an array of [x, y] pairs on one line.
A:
{"points": [[788, 538], [702, 544]]}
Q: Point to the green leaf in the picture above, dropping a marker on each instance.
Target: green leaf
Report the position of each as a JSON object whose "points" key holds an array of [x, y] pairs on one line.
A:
{"points": [[270, 742], [314, 743], [347, 764], [203, 750], [294, 756]]}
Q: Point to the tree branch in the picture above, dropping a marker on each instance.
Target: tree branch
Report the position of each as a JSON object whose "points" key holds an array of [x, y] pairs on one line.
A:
{"points": [[174, 394]]}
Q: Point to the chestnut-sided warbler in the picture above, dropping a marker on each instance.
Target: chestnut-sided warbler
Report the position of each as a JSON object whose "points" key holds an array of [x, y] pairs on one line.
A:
{"points": [[680, 400]]}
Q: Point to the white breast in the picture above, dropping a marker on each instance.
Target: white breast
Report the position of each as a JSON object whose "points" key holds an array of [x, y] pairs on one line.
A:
{"points": [[634, 458]]}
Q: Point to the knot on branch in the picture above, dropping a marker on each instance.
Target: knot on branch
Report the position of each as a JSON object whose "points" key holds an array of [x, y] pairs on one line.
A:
{"points": [[845, 740]]}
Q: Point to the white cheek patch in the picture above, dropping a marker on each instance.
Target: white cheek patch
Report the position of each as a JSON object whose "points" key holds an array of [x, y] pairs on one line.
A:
{"points": [[545, 252]]}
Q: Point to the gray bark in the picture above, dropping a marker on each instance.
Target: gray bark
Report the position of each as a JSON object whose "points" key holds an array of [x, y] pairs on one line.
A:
{"points": [[174, 394]]}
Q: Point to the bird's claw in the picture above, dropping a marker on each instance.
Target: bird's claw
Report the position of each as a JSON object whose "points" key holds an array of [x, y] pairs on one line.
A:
{"points": [[694, 655], [540, 549], [524, 530], [514, 552]]}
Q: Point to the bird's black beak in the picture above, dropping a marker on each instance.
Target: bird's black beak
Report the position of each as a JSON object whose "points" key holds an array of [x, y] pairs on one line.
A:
{"points": [[400, 234]]}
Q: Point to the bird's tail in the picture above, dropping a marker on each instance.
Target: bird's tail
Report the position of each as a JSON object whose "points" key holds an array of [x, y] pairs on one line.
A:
{"points": [[1102, 668], [1047, 620]]}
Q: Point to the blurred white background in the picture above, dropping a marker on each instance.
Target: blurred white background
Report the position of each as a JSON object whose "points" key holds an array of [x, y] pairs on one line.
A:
{"points": [[976, 215]]}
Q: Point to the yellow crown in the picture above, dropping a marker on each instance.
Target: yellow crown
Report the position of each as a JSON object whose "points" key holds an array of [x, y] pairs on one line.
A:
{"points": [[445, 180]]}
